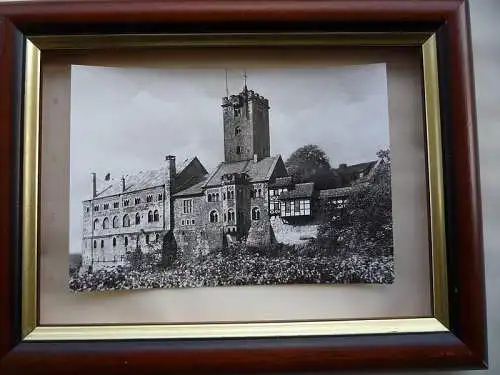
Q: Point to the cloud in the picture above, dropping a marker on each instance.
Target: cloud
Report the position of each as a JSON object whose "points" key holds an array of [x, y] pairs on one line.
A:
{"points": [[124, 120]]}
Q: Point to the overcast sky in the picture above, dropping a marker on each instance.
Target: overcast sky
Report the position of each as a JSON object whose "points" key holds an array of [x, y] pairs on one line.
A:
{"points": [[124, 120]]}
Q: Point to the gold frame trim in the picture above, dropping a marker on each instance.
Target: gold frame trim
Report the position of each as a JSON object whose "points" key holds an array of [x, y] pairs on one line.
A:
{"points": [[232, 330], [436, 184], [29, 279], [29, 321]]}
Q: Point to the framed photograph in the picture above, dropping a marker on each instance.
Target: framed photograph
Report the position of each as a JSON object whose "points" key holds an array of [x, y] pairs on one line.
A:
{"points": [[207, 186]]}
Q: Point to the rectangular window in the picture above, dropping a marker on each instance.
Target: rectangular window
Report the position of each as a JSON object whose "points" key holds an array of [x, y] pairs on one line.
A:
{"points": [[96, 208], [276, 206], [305, 207], [87, 209], [288, 207], [182, 222], [188, 206], [238, 150], [192, 221], [116, 204], [296, 207]]}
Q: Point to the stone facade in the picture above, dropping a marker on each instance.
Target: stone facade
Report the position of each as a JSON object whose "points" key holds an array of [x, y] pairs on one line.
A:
{"points": [[241, 200]]}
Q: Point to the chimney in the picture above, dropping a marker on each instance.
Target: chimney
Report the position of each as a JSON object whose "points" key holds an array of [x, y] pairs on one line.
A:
{"points": [[170, 159], [94, 185], [123, 183]]}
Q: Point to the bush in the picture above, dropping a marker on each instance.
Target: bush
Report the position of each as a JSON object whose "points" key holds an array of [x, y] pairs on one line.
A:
{"points": [[246, 267]]}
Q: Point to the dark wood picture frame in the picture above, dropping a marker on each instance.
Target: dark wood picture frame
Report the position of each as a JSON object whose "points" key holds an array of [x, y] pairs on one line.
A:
{"points": [[464, 346]]}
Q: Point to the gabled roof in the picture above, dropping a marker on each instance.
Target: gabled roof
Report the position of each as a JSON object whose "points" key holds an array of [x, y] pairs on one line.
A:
{"points": [[335, 193], [356, 168], [281, 182], [196, 189], [141, 180], [304, 190], [256, 171]]}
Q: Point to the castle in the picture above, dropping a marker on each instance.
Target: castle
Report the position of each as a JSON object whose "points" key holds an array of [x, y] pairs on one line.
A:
{"points": [[246, 195]]}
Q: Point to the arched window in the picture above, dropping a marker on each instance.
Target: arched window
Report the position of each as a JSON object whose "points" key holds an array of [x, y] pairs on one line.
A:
{"points": [[225, 217], [137, 219], [209, 197], [115, 222], [126, 221], [105, 223], [126, 241], [150, 217], [230, 215], [156, 216], [147, 239], [114, 242], [102, 244], [223, 196], [214, 216], [217, 197], [157, 236], [95, 244], [160, 197], [255, 213], [260, 192], [96, 223]]}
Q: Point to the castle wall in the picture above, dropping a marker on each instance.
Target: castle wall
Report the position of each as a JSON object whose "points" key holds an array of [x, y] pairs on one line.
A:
{"points": [[260, 232], [102, 238], [202, 236]]}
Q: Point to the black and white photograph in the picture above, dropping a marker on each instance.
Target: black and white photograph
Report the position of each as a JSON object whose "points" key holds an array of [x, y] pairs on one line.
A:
{"points": [[217, 177]]}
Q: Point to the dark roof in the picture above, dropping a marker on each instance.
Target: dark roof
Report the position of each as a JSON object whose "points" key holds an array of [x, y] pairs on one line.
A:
{"points": [[356, 168], [281, 182], [334, 193], [304, 190], [139, 181], [256, 171], [196, 189]]}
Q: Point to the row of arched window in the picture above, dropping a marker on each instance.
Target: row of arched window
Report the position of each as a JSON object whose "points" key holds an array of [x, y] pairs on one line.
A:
{"points": [[157, 237], [126, 202], [215, 197], [153, 216], [257, 193], [230, 216]]}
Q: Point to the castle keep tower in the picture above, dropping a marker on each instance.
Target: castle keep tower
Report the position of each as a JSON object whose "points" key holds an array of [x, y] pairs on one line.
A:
{"points": [[246, 126]]}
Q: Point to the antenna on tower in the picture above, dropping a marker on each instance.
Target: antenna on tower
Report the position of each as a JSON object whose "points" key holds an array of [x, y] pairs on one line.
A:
{"points": [[245, 78], [227, 89]]}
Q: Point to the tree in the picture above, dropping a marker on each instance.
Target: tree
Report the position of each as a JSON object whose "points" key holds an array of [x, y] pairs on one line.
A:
{"points": [[309, 163], [169, 251], [364, 224]]}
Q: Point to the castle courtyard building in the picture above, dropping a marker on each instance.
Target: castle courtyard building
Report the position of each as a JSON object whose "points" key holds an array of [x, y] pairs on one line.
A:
{"points": [[237, 202]]}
